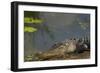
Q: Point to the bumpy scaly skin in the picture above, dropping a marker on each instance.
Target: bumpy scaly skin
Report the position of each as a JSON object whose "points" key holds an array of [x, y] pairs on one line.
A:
{"points": [[63, 49], [60, 51]]}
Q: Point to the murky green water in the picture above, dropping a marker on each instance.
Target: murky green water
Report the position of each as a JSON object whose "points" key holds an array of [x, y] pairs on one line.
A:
{"points": [[55, 27]]}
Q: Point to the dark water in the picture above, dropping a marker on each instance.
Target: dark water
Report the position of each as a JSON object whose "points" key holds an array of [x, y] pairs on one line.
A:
{"points": [[56, 27]]}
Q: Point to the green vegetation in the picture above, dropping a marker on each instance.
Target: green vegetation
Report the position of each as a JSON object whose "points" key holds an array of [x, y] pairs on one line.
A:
{"points": [[29, 58], [32, 20], [33, 24], [29, 29]]}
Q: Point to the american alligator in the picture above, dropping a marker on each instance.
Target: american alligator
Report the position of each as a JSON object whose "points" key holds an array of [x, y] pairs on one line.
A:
{"points": [[63, 49]]}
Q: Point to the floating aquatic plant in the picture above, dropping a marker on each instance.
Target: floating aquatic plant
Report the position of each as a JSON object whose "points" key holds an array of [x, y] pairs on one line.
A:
{"points": [[32, 20], [29, 29]]}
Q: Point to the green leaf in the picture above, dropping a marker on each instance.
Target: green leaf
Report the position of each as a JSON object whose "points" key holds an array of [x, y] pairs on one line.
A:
{"points": [[32, 20], [29, 29]]}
